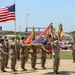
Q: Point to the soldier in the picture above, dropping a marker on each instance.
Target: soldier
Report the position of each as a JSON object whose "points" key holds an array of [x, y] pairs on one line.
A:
{"points": [[18, 49], [3, 53], [43, 56], [33, 55], [73, 49], [56, 56], [7, 51], [24, 53], [13, 46]]}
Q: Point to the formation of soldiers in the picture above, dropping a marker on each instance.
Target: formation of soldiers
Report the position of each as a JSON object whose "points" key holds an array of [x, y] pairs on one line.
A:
{"points": [[19, 51]]}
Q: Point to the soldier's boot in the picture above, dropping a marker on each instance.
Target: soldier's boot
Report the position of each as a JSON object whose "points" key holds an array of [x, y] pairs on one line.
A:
{"points": [[24, 69], [73, 61], [34, 68], [56, 72], [3, 71], [14, 70], [43, 67]]}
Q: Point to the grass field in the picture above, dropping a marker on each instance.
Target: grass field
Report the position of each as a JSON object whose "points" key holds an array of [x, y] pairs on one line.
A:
{"points": [[63, 55]]}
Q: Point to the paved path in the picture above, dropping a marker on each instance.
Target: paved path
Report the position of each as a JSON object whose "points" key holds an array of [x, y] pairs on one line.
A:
{"points": [[66, 68]]}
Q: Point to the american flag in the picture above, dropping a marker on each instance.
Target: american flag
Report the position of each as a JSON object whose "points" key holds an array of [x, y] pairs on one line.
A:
{"points": [[7, 13]]}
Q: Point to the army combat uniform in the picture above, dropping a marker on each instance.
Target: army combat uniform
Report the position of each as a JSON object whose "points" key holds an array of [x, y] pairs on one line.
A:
{"points": [[18, 50], [24, 54], [73, 50], [43, 57], [7, 56], [33, 55], [13, 47], [56, 56], [2, 57]]}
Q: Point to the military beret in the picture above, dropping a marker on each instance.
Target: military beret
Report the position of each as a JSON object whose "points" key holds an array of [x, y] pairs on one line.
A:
{"points": [[22, 38]]}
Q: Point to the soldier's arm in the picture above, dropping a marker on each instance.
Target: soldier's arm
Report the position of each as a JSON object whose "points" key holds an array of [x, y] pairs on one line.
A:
{"points": [[28, 46], [43, 48], [3, 51], [71, 42], [53, 43]]}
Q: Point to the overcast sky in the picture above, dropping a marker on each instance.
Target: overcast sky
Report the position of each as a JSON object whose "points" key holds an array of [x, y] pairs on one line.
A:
{"points": [[42, 13]]}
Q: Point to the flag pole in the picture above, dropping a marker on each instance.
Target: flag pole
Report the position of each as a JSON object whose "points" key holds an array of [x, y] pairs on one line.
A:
{"points": [[15, 24], [15, 20]]}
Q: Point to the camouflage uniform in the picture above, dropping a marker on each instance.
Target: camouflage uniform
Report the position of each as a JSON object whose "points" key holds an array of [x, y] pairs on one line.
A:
{"points": [[24, 54], [18, 50], [13, 46], [33, 55], [43, 57], [56, 57], [73, 50], [3, 53], [7, 56]]}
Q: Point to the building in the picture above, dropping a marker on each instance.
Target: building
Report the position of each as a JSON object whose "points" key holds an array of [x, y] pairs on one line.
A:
{"points": [[9, 36], [67, 37]]}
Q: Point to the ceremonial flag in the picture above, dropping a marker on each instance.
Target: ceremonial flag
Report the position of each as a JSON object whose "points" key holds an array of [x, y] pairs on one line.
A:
{"points": [[43, 37], [44, 32], [59, 32], [40, 40], [31, 37], [51, 32], [7, 13]]}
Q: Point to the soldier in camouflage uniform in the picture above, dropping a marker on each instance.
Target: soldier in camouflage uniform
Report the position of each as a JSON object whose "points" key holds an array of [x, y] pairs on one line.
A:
{"points": [[56, 56], [18, 49], [7, 51], [43, 56], [24, 54], [73, 49], [33, 55], [13, 46], [2, 53]]}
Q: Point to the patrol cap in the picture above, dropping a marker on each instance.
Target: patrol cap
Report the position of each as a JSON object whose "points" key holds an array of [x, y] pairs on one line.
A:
{"points": [[13, 38], [22, 38]]}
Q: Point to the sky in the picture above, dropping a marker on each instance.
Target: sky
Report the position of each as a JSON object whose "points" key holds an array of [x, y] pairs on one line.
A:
{"points": [[41, 14]]}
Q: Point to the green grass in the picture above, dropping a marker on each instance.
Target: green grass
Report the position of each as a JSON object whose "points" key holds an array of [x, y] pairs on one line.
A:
{"points": [[63, 55]]}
